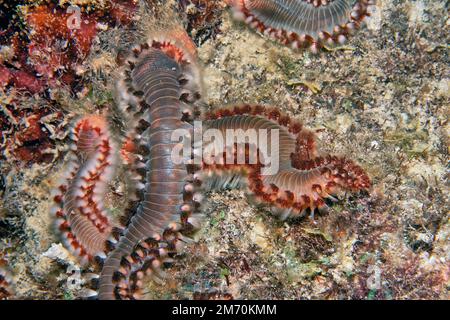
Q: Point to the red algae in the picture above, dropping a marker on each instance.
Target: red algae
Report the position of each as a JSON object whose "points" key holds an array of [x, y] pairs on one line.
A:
{"points": [[57, 41], [81, 216], [24, 135], [6, 290], [53, 46]]}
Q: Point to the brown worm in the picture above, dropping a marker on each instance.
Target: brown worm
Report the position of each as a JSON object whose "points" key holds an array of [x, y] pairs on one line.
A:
{"points": [[303, 180], [160, 78], [303, 23], [81, 217]]}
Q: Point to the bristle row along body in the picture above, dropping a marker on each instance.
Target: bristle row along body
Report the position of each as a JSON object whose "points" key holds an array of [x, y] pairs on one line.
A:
{"points": [[303, 180], [6, 286], [81, 218], [161, 91], [304, 23]]}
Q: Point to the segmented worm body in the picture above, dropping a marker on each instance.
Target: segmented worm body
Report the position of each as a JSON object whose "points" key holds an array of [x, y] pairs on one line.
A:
{"points": [[81, 217], [159, 77], [303, 23]]}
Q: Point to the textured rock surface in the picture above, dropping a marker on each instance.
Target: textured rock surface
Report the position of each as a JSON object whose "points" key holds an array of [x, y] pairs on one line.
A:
{"points": [[383, 99]]}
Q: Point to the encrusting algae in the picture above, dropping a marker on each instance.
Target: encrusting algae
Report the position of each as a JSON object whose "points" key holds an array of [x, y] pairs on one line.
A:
{"points": [[381, 104]]}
